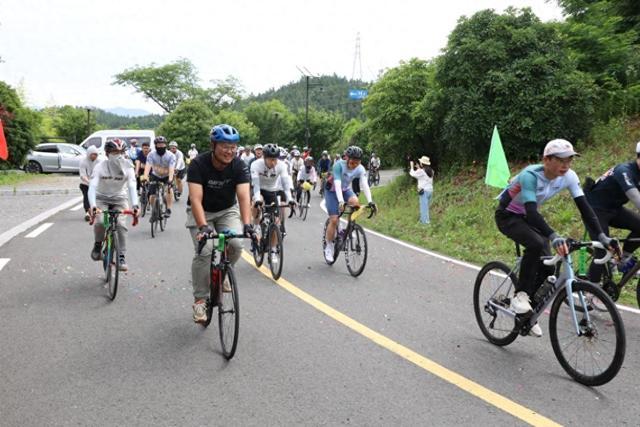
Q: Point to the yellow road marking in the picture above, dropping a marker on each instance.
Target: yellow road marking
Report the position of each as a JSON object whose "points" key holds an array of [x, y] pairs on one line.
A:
{"points": [[525, 414]]}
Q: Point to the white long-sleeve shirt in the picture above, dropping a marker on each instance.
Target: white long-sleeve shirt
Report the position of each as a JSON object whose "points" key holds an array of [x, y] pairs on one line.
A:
{"points": [[303, 175], [110, 186], [263, 178], [425, 182]]}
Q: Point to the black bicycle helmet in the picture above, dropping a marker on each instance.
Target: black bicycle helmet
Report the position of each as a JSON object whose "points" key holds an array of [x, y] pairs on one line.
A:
{"points": [[354, 152], [270, 151], [160, 140]]}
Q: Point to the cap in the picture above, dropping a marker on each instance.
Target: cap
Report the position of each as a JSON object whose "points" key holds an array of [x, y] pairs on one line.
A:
{"points": [[559, 148], [258, 147], [424, 160], [638, 148]]}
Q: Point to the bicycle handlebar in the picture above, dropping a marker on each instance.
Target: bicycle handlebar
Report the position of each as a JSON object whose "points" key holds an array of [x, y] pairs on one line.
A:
{"points": [[117, 212], [577, 245], [356, 211], [213, 235]]}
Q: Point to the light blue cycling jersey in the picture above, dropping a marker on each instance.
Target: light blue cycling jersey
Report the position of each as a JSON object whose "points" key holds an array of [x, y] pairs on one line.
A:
{"points": [[530, 185], [345, 175], [160, 164]]}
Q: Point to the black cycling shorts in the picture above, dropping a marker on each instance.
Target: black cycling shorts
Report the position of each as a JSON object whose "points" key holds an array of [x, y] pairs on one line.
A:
{"points": [[153, 183]]}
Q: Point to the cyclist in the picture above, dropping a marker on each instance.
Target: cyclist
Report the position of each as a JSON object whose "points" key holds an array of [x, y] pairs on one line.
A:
{"points": [[133, 151], [344, 171], [374, 164], [216, 178], [268, 176], [87, 164], [257, 150], [306, 174], [517, 217], [161, 164], [306, 152], [181, 167], [141, 162], [108, 190], [247, 156], [192, 153], [608, 196], [295, 165], [324, 166]]}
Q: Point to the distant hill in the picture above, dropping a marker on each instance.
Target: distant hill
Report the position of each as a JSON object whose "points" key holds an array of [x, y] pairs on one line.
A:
{"points": [[105, 119], [127, 112], [325, 92]]}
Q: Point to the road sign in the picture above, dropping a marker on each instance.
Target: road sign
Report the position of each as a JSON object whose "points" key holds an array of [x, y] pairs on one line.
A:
{"points": [[358, 93]]}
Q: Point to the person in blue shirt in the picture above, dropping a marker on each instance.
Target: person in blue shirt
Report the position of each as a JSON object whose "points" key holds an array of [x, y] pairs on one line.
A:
{"points": [[517, 217], [344, 172], [607, 196]]}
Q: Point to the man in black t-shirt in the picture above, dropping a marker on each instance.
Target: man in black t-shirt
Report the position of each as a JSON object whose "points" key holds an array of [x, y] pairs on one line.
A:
{"points": [[608, 196], [215, 179]]}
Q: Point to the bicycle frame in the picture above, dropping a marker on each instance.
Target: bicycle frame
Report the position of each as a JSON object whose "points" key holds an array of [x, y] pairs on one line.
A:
{"points": [[564, 281]]}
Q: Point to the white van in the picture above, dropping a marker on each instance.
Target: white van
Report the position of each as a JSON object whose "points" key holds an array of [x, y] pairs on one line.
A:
{"points": [[98, 139]]}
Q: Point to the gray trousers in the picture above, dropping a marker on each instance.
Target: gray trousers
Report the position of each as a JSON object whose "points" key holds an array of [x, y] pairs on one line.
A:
{"points": [[121, 228], [228, 219]]}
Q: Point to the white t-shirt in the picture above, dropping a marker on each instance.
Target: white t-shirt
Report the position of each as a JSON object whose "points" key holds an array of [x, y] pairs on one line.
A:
{"points": [[296, 164], [303, 175], [263, 178], [425, 182], [179, 160], [193, 153]]}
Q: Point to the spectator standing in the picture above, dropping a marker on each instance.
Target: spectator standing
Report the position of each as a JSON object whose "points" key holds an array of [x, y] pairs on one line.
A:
{"points": [[86, 169], [424, 175]]}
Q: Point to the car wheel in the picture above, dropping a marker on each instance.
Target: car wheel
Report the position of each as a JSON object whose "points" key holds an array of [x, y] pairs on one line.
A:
{"points": [[33, 167]]}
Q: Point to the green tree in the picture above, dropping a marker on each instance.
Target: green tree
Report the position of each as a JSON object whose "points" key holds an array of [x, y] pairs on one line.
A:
{"points": [[248, 131], [71, 122], [20, 126], [513, 71], [391, 107], [325, 129], [188, 124], [273, 120], [166, 85]]}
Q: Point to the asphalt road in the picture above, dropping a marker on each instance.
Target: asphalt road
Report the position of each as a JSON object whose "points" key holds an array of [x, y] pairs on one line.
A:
{"points": [[68, 356]]}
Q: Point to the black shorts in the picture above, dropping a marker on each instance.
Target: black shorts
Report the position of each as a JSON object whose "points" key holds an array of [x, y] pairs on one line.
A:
{"points": [[269, 197], [181, 173], [153, 183]]}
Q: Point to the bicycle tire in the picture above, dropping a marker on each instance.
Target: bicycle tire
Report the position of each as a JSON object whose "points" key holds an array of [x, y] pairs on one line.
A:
{"points": [[229, 315], [324, 242], [628, 278], [306, 199], [480, 303], [357, 246], [257, 250], [590, 332], [377, 178], [112, 284], [275, 234], [162, 210], [143, 203], [155, 209]]}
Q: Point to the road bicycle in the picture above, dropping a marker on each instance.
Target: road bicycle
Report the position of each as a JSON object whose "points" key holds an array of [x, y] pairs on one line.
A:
{"points": [[270, 239], [304, 199], [590, 345], [111, 249], [374, 177], [351, 240], [323, 182], [612, 280], [174, 189], [226, 300], [159, 210]]}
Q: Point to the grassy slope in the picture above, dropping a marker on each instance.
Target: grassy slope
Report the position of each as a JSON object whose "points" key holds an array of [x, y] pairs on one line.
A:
{"points": [[462, 208]]}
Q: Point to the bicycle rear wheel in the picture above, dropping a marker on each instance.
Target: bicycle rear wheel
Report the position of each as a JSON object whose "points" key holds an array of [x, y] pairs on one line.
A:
{"points": [[229, 315], [275, 251], [114, 276], [155, 213], [595, 356], [496, 283], [324, 242], [304, 207], [355, 247]]}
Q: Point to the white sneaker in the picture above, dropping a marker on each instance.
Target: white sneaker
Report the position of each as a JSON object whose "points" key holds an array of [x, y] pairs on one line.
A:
{"points": [[328, 252], [200, 311], [274, 257], [536, 331], [521, 303]]}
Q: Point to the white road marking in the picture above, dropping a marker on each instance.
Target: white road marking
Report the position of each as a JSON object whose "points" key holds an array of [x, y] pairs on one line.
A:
{"points": [[38, 231], [448, 259], [77, 208], [3, 262], [20, 228]]}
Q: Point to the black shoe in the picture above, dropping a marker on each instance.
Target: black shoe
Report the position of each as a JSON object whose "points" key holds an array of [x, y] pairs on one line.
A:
{"points": [[95, 252], [167, 214]]}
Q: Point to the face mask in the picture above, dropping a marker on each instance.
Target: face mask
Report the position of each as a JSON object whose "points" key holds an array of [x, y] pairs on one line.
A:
{"points": [[161, 150], [115, 162]]}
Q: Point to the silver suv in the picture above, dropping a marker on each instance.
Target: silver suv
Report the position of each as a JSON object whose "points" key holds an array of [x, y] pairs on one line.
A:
{"points": [[54, 157]]}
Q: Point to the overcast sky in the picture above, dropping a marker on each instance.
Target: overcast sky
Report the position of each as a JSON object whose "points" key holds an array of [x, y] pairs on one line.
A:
{"points": [[67, 51]]}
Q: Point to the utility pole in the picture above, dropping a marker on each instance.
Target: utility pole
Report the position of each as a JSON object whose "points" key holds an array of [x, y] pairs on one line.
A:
{"points": [[307, 76]]}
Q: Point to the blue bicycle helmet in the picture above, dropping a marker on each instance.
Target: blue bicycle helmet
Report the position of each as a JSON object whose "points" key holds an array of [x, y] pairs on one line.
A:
{"points": [[224, 133]]}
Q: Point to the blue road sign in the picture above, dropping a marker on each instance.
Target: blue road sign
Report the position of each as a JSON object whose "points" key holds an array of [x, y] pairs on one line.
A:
{"points": [[358, 93]]}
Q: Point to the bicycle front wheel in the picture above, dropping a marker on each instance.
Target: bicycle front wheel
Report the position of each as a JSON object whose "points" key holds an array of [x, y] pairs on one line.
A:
{"points": [[114, 276], [162, 209], [229, 316], [155, 213], [143, 203], [304, 207], [276, 251], [495, 285], [594, 356], [355, 249]]}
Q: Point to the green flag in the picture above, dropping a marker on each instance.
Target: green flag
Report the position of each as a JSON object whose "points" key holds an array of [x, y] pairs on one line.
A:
{"points": [[497, 168]]}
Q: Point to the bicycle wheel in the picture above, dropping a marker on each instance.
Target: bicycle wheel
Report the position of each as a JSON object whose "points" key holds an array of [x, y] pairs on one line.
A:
{"points": [[162, 219], [496, 283], [324, 243], [143, 203], [176, 197], [355, 249], [155, 213], [594, 356], [275, 252], [376, 181], [304, 207], [229, 316], [257, 248], [607, 282], [114, 276]]}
